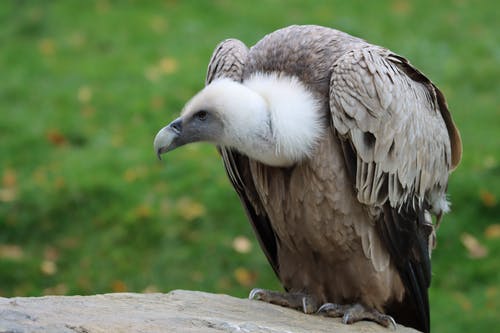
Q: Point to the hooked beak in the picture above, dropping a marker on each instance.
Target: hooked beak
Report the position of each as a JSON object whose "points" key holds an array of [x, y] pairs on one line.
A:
{"points": [[167, 138]]}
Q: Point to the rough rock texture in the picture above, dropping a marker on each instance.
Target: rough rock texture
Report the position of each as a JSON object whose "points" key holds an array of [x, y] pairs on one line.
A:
{"points": [[177, 311]]}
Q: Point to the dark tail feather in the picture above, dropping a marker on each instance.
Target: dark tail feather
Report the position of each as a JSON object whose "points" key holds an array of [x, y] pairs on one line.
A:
{"points": [[406, 240]]}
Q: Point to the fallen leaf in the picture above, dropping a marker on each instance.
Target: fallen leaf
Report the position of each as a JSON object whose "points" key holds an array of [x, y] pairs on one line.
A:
{"points": [[8, 191], [77, 40], [9, 178], [491, 297], [12, 252], [130, 175], [135, 173], [401, 7], [245, 277], [165, 207], [488, 198], [50, 253], [117, 140], [142, 211], [83, 282], [224, 284], [152, 73], [242, 244], [55, 137], [85, 264], [7, 194], [46, 46], [87, 111], [157, 103], [48, 267], [59, 289], [70, 242], [84, 94], [59, 183], [40, 175], [492, 231], [158, 24], [102, 6], [118, 286], [189, 209], [491, 292], [474, 248], [151, 289], [168, 65], [463, 301], [489, 162], [197, 276]]}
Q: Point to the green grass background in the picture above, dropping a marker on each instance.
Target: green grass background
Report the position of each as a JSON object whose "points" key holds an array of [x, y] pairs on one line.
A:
{"points": [[86, 208]]}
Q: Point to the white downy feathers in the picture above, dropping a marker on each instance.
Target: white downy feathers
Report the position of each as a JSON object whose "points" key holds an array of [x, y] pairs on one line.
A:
{"points": [[270, 117]]}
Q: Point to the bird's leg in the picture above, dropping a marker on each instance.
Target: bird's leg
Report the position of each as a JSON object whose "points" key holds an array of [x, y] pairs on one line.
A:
{"points": [[352, 313], [299, 301]]}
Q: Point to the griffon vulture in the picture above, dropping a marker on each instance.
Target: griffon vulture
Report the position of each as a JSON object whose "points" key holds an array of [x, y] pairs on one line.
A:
{"points": [[340, 152]]}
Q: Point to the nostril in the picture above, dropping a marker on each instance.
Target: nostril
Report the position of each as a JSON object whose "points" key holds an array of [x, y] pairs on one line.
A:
{"points": [[176, 125]]}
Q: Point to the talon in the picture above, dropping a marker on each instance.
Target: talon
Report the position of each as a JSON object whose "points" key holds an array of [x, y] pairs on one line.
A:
{"points": [[385, 320], [255, 293], [325, 307], [393, 323], [309, 305], [304, 305], [331, 310]]}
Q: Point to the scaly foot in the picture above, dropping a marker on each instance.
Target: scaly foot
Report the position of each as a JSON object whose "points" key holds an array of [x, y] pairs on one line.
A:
{"points": [[299, 301], [352, 313]]}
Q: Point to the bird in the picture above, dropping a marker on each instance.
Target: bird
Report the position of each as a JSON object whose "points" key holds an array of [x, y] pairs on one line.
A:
{"points": [[340, 153]]}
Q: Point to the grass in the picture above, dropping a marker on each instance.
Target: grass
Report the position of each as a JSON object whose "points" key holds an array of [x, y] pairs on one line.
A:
{"points": [[84, 206]]}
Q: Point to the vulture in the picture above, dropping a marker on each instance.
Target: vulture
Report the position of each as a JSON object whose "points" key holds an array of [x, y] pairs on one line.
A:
{"points": [[340, 152]]}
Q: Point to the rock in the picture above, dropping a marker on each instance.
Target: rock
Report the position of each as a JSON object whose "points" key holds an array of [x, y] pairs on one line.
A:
{"points": [[177, 311]]}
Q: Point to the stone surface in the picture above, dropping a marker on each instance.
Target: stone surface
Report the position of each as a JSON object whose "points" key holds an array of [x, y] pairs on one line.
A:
{"points": [[177, 311]]}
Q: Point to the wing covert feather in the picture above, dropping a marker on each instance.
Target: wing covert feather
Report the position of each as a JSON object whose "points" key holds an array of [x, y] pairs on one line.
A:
{"points": [[396, 126], [228, 60], [399, 144]]}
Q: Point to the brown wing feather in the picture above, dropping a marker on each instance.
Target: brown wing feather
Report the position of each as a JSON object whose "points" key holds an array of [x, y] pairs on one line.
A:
{"points": [[228, 60], [399, 144]]}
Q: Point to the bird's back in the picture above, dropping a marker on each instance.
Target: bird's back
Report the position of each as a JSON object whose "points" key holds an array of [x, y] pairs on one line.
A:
{"points": [[307, 52]]}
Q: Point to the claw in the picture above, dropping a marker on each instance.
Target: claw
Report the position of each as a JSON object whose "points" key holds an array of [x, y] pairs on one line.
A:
{"points": [[393, 323], [322, 308], [309, 305], [385, 320], [331, 310], [254, 293]]}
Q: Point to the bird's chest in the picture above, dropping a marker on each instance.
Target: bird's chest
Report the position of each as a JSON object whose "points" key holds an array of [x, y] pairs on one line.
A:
{"points": [[326, 239], [312, 206]]}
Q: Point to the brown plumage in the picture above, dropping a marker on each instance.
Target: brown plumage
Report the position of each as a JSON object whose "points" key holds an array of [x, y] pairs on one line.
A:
{"points": [[350, 223]]}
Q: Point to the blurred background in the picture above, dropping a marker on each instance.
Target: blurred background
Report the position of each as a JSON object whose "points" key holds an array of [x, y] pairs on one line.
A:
{"points": [[85, 206]]}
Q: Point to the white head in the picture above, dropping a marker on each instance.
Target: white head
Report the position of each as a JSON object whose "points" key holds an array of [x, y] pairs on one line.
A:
{"points": [[270, 118]]}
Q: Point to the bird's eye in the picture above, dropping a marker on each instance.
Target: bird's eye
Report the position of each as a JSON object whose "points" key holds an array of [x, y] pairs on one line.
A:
{"points": [[201, 115]]}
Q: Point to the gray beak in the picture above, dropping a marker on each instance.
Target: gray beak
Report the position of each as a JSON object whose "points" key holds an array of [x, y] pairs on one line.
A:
{"points": [[166, 139]]}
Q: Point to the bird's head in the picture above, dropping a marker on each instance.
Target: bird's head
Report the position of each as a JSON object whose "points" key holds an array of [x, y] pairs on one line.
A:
{"points": [[212, 115]]}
